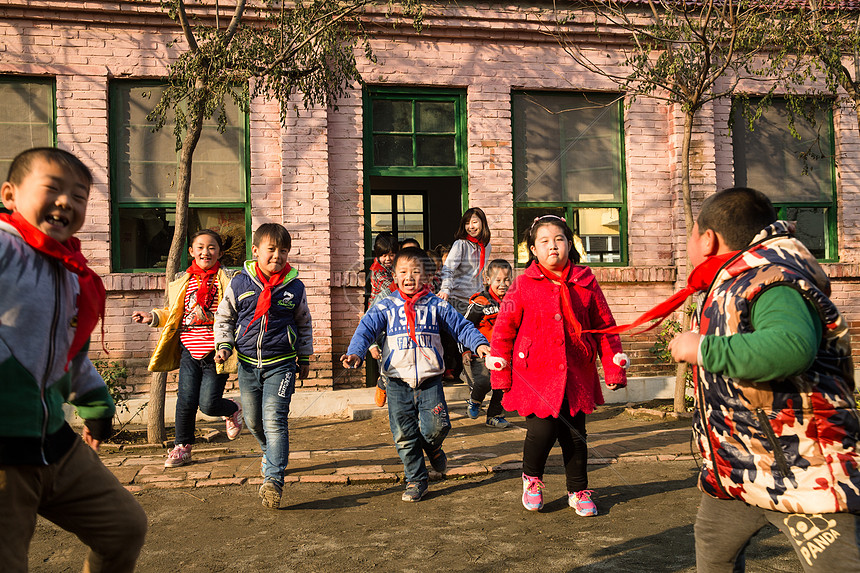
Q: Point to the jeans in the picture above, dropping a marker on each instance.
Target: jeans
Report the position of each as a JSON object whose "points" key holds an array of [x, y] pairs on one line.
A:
{"points": [[198, 385], [266, 395], [824, 542], [419, 423], [478, 378], [541, 435]]}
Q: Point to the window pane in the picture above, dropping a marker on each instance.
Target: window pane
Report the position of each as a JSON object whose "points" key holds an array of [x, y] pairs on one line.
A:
{"points": [[525, 218], [410, 203], [435, 116], [144, 237], [380, 203], [392, 150], [410, 223], [381, 222], [599, 232], [390, 115], [435, 150], [230, 224], [786, 169], [26, 118], [811, 228]]}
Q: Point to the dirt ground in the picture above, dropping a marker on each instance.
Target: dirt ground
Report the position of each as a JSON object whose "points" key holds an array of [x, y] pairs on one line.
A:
{"points": [[647, 510]]}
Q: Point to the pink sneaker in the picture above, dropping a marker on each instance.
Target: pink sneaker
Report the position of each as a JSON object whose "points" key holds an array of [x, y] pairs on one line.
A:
{"points": [[235, 422], [532, 493], [583, 504], [178, 456]]}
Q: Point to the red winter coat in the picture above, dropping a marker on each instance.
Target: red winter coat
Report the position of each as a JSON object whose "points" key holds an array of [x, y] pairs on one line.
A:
{"points": [[530, 335]]}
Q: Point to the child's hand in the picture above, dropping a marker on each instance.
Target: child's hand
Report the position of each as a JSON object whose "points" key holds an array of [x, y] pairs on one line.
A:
{"points": [[483, 351], [90, 440], [467, 357], [375, 352], [614, 386], [304, 370], [140, 317], [443, 295], [350, 361], [685, 347], [222, 355]]}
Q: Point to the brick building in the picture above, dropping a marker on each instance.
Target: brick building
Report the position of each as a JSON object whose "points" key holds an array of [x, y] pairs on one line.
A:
{"points": [[482, 108]]}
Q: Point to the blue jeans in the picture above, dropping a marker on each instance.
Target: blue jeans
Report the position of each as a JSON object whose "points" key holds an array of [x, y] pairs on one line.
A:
{"points": [[419, 423], [266, 395], [199, 385]]}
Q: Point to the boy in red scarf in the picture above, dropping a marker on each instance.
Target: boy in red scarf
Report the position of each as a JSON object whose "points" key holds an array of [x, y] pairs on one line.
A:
{"points": [[264, 318], [51, 303]]}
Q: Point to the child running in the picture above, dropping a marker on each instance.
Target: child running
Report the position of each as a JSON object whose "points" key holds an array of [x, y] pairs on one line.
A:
{"points": [[550, 375], [187, 343], [412, 319], [463, 271], [482, 312], [264, 318], [51, 303]]}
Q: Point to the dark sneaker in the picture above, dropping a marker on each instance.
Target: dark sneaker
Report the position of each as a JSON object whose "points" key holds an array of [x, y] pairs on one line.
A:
{"points": [[439, 461], [498, 422], [415, 490], [473, 409], [270, 492]]}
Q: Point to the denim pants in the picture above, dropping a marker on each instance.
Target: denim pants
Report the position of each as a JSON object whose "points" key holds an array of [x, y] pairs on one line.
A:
{"points": [[199, 385], [266, 395], [419, 423]]}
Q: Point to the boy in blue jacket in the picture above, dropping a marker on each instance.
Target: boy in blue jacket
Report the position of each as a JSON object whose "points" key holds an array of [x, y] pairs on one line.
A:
{"points": [[412, 318], [264, 317]]}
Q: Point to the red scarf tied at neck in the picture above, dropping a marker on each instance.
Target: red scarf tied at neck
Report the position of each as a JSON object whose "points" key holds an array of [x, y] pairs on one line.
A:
{"points": [[91, 299], [409, 307], [204, 294], [566, 302], [264, 302], [699, 279], [481, 249]]}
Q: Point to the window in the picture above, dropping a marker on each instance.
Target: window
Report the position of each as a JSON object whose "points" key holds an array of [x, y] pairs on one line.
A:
{"points": [[798, 175], [26, 117], [401, 214], [143, 168], [568, 161]]}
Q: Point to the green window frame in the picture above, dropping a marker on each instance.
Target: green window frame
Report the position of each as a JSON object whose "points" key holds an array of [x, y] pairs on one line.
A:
{"points": [[28, 116], [797, 174], [143, 165], [569, 161], [410, 132]]}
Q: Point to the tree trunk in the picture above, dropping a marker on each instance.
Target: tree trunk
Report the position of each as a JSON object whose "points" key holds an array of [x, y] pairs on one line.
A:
{"points": [[681, 370], [155, 430]]}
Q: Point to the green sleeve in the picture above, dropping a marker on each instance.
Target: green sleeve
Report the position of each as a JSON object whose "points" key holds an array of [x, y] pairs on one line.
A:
{"points": [[785, 340]]}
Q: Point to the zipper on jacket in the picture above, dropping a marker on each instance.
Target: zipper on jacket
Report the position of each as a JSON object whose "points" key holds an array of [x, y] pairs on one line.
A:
{"points": [[707, 429], [51, 351], [264, 321], [778, 454]]}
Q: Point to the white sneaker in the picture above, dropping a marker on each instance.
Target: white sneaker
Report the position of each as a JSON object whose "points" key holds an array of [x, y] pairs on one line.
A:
{"points": [[235, 422], [178, 456]]}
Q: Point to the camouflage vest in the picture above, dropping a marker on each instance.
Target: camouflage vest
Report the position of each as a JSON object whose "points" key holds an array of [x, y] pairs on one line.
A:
{"points": [[787, 445]]}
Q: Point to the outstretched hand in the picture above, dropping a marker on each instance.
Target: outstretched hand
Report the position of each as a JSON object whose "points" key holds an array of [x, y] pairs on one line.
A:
{"points": [[685, 347], [483, 351], [139, 317], [350, 361]]}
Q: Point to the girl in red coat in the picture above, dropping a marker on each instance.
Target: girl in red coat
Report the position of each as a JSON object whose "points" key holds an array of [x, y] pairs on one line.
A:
{"points": [[549, 374]]}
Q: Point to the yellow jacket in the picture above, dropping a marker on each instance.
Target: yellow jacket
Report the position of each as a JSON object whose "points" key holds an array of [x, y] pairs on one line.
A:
{"points": [[166, 355]]}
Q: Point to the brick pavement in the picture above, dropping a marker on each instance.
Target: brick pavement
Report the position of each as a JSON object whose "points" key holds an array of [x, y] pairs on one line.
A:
{"points": [[365, 453]]}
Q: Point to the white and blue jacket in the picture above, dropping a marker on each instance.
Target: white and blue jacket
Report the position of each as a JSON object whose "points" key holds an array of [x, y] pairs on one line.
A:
{"points": [[401, 358]]}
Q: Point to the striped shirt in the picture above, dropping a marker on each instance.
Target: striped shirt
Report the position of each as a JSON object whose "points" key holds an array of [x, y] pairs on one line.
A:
{"points": [[196, 333]]}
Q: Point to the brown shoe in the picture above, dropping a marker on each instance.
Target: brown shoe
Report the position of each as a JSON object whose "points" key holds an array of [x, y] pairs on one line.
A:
{"points": [[381, 396]]}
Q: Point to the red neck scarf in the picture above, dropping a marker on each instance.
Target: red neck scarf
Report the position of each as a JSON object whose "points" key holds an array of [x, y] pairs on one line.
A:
{"points": [[566, 302], [409, 306], [264, 302], [700, 279], [205, 294], [481, 249], [91, 299]]}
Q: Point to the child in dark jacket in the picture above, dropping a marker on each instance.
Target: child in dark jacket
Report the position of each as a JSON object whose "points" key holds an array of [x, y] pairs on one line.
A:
{"points": [[412, 319], [264, 318], [482, 311], [775, 417]]}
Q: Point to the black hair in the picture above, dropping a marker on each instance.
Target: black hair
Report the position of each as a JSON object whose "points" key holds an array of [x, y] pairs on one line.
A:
{"points": [[23, 164], [210, 233], [275, 233], [738, 214], [412, 254], [385, 243], [484, 236], [431, 258], [497, 264], [559, 222], [408, 240]]}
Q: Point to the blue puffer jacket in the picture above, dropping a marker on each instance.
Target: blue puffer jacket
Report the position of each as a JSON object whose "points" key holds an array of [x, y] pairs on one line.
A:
{"points": [[285, 334]]}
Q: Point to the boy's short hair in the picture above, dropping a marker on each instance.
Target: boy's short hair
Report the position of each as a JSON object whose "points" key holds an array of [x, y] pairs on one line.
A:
{"points": [[409, 240], [23, 164], [412, 254], [497, 265], [275, 233], [385, 243], [738, 214]]}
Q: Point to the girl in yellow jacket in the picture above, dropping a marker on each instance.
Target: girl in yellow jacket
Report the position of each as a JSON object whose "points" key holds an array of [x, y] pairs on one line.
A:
{"points": [[187, 343]]}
